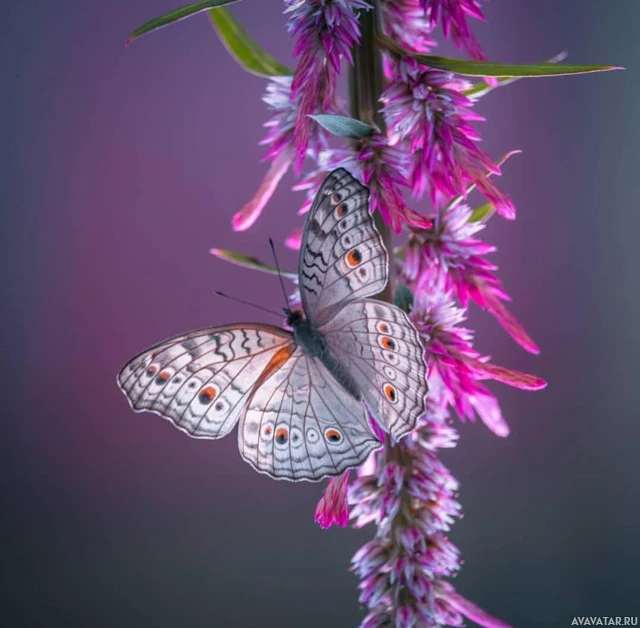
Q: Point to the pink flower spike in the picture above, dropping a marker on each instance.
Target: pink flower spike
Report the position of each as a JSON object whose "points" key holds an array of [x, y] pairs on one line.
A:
{"points": [[473, 611], [253, 208], [332, 507]]}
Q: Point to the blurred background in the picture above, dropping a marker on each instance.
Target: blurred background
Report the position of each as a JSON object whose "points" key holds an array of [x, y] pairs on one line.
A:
{"points": [[122, 166]]}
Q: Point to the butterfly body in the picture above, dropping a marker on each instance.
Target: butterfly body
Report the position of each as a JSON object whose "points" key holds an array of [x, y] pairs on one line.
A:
{"points": [[303, 398], [313, 343]]}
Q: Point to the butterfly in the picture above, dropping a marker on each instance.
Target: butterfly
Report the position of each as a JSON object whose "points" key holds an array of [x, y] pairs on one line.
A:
{"points": [[302, 398]]}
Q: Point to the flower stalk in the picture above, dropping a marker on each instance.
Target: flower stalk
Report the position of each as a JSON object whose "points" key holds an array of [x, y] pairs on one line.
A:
{"points": [[365, 89]]}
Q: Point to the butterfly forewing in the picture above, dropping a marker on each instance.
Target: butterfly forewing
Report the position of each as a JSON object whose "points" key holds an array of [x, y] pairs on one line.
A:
{"points": [[301, 425], [342, 257], [200, 380], [382, 351]]}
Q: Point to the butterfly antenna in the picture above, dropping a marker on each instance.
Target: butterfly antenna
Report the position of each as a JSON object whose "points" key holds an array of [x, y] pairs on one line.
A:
{"points": [[259, 307], [275, 259]]}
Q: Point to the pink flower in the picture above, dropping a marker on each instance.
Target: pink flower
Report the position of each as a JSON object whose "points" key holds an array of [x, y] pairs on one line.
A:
{"points": [[378, 166], [429, 117], [458, 604], [325, 30], [250, 212], [453, 360], [453, 16], [333, 507], [406, 22], [450, 249], [280, 147]]}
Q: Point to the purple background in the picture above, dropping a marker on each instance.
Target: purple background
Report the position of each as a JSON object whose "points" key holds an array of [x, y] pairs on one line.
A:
{"points": [[121, 167]]}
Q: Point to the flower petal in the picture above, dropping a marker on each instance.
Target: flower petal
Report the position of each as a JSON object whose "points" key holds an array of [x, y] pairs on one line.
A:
{"points": [[253, 208], [473, 611], [489, 411], [511, 324], [333, 507], [294, 239], [517, 379]]}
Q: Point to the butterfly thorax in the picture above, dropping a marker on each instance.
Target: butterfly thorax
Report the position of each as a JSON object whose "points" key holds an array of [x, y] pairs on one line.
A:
{"points": [[312, 341]]}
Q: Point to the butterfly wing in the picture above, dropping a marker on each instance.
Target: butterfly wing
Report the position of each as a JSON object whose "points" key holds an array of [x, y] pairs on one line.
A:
{"points": [[342, 256], [302, 425], [382, 350], [200, 380]]}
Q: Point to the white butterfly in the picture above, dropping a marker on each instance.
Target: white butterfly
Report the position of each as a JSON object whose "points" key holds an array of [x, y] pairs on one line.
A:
{"points": [[303, 398]]}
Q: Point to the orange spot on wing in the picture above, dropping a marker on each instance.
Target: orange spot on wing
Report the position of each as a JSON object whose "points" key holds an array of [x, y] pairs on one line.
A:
{"points": [[282, 435], [163, 377], [390, 392], [278, 359], [333, 435], [383, 328], [207, 395], [341, 210], [152, 370], [354, 257], [387, 343]]}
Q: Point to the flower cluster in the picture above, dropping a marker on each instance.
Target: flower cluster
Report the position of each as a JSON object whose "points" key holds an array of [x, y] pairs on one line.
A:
{"points": [[452, 14], [280, 151], [408, 24], [450, 252], [426, 110], [325, 31], [456, 364], [411, 497]]}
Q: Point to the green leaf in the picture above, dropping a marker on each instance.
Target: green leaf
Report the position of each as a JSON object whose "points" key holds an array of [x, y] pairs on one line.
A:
{"points": [[343, 126], [480, 213], [489, 68], [248, 261], [175, 16], [483, 88], [243, 48], [403, 298]]}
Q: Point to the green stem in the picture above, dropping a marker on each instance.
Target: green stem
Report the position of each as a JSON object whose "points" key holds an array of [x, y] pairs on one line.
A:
{"points": [[365, 88]]}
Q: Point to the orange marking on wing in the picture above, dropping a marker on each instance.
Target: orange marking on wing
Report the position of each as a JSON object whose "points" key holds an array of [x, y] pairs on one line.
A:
{"points": [[163, 377], [341, 210], [333, 435], [276, 361], [383, 328], [152, 370], [282, 435], [354, 257], [387, 343], [207, 395], [390, 392]]}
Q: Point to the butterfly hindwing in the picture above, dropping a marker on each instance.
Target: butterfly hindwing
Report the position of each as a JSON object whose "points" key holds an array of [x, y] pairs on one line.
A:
{"points": [[200, 380], [301, 425], [381, 348], [342, 256]]}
